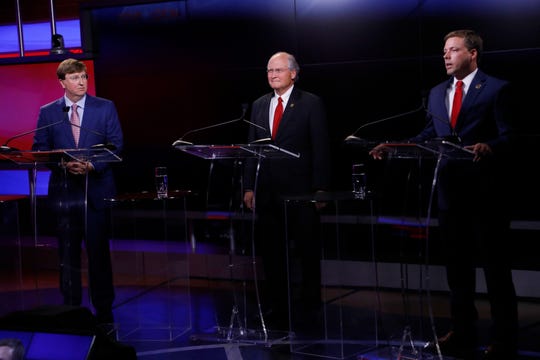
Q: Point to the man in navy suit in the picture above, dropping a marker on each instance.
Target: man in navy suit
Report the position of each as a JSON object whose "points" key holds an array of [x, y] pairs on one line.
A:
{"points": [[302, 130], [473, 201], [78, 189]]}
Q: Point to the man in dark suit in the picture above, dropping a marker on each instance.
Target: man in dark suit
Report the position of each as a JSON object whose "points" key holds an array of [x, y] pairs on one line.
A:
{"points": [[78, 189], [303, 130], [473, 197]]}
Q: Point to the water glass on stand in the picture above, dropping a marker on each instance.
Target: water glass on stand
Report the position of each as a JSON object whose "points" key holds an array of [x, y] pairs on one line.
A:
{"points": [[359, 181], [161, 182]]}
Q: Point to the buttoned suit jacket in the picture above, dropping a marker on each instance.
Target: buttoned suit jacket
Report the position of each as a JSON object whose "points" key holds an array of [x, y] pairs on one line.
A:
{"points": [[485, 116], [303, 129], [100, 125]]}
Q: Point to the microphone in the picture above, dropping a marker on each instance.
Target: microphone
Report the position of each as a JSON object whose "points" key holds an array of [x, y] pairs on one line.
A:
{"points": [[265, 140], [454, 137], [244, 110], [353, 139], [95, 132], [181, 140], [108, 146], [262, 141], [5, 147]]}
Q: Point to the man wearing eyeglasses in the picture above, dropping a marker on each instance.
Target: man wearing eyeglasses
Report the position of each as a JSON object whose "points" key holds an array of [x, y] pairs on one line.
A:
{"points": [[302, 129], [78, 189]]}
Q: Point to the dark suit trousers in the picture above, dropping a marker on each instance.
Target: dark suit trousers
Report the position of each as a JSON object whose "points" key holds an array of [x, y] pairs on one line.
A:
{"points": [[72, 231], [289, 243], [476, 240]]}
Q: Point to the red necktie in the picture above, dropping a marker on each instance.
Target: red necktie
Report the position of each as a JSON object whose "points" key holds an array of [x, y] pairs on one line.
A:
{"points": [[456, 104], [76, 121], [277, 117]]}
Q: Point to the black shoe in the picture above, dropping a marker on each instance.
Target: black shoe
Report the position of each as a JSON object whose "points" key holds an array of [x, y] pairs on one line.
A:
{"points": [[499, 351], [109, 331], [104, 317], [455, 345]]}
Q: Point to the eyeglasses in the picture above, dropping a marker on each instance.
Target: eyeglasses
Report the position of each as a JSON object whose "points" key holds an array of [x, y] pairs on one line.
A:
{"points": [[276, 71], [76, 78]]}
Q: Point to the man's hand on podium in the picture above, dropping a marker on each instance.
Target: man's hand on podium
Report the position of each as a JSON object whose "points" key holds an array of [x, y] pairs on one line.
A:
{"points": [[78, 167]]}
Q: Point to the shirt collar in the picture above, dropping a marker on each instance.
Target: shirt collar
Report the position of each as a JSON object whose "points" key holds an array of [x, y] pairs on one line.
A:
{"points": [[467, 80], [79, 103], [285, 97]]}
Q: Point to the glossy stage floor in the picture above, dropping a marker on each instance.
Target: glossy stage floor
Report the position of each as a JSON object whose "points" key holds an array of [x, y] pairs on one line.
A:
{"points": [[173, 303], [200, 297]]}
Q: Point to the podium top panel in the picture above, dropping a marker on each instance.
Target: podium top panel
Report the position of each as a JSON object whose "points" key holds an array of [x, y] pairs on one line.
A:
{"points": [[428, 149], [239, 151], [94, 155], [148, 195], [406, 151], [323, 196], [448, 149]]}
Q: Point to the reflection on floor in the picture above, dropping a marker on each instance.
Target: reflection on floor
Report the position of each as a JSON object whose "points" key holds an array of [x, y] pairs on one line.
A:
{"points": [[165, 309]]}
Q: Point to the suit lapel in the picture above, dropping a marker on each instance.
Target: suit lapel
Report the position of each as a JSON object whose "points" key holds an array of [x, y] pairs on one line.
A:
{"points": [[475, 89], [288, 110], [64, 129], [477, 85], [86, 122]]}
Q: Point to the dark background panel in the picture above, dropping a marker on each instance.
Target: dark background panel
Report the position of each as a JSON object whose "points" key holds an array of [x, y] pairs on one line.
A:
{"points": [[175, 66]]}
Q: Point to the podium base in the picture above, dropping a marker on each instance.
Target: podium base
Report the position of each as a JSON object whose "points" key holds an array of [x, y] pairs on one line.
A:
{"points": [[244, 335], [394, 351], [332, 349]]}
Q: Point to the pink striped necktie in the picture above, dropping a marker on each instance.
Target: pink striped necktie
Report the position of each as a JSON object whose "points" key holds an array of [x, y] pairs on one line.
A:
{"points": [[76, 124]]}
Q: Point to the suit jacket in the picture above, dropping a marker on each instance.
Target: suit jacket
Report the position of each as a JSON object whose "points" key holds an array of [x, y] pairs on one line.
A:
{"points": [[100, 125], [303, 129], [485, 116]]}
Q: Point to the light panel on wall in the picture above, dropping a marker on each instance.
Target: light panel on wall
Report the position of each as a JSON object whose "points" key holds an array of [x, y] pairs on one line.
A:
{"points": [[38, 36]]}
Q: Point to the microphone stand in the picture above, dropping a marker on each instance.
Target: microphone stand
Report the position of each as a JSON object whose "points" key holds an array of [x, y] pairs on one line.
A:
{"points": [[352, 139], [181, 140], [5, 147]]}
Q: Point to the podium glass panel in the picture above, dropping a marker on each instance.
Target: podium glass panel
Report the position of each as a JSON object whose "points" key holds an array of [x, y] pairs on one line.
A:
{"points": [[429, 149], [94, 154], [37, 249], [241, 321], [150, 256], [410, 258], [11, 250], [239, 151], [331, 331]]}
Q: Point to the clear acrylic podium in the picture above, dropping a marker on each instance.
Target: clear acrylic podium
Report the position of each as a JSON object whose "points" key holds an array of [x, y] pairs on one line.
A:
{"points": [[434, 148], [438, 150], [150, 254], [344, 309], [237, 328], [34, 160], [36, 258]]}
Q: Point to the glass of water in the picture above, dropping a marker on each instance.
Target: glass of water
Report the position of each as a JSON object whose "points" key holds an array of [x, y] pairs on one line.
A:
{"points": [[359, 181], [161, 182]]}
